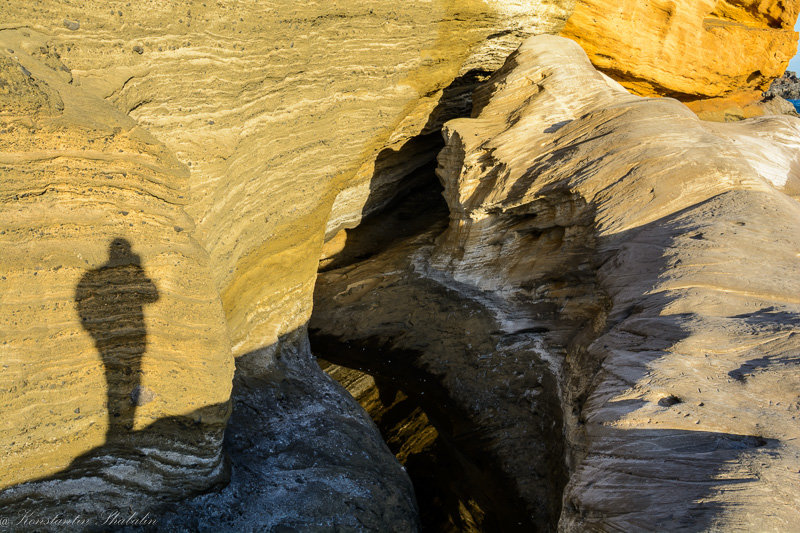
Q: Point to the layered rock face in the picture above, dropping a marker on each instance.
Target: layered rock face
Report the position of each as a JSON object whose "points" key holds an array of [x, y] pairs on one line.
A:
{"points": [[728, 45], [680, 391], [717, 56], [252, 117], [274, 109], [170, 176], [268, 118], [597, 302], [116, 365]]}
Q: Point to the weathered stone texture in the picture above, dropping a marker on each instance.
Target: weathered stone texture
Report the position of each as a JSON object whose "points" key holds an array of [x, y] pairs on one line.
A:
{"points": [[128, 358], [225, 142], [690, 50], [680, 388]]}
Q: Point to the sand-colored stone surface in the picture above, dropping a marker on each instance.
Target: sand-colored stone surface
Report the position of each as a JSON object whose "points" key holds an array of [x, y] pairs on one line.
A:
{"points": [[680, 388], [690, 50], [278, 131], [114, 342], [117, 369], [255, 118], [595, 322], [171, 171], [214, 139], [274, 108]]}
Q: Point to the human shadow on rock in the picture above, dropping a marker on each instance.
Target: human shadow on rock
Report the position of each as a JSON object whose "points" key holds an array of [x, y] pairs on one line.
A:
{"points": [[110, 301]]}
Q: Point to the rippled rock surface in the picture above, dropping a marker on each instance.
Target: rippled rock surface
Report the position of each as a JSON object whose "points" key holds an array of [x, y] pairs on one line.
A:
{"points": [[596, 316], [173, 173], [677, 350]]}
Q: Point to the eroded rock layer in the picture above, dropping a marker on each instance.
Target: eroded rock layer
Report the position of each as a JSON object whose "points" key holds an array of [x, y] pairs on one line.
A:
{"points": [[117, 369], [277, 132], [267, 116], [170, 173], [116, 366], [442, 477], [274, 108], [690, 50], [304, 455], [679, 383], [487, 391]]}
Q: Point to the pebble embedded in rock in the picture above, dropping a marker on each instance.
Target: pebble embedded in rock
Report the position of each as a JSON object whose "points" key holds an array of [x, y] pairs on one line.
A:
{"points": [[138, 49], [669, 401], [142, 395], [72, 25]]}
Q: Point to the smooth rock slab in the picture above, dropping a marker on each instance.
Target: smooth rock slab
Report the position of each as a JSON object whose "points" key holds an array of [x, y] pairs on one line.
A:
{"points": [[304, 456]]}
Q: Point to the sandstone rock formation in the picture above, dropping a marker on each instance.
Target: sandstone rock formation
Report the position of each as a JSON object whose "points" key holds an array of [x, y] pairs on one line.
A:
{"points": [[689, 50], [264, 116], [681, 406], [273, 109], [717, 56], [113, 336], [600, 273], [197, 157], [117, 368]]}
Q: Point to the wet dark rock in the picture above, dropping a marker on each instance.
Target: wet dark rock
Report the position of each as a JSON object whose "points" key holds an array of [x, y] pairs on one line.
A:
{"points": [[787, 86]]}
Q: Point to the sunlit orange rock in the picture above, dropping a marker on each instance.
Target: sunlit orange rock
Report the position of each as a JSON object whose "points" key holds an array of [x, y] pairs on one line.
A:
{"points": [[688, 50]]}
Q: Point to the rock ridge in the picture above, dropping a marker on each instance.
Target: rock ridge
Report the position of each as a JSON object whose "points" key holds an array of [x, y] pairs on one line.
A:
{"points": [[558, 149]]}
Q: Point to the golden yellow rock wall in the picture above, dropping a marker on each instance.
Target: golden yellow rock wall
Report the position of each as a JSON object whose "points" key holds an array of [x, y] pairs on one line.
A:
{"points": [[689, 49], [109, 318], [213, 137], [273, 107], [223, 140]]}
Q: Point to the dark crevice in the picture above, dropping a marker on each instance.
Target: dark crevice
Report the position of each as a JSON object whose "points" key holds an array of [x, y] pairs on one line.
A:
{"points": [[452, 456], [405, 195], [419, 209], [459, 486]]}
